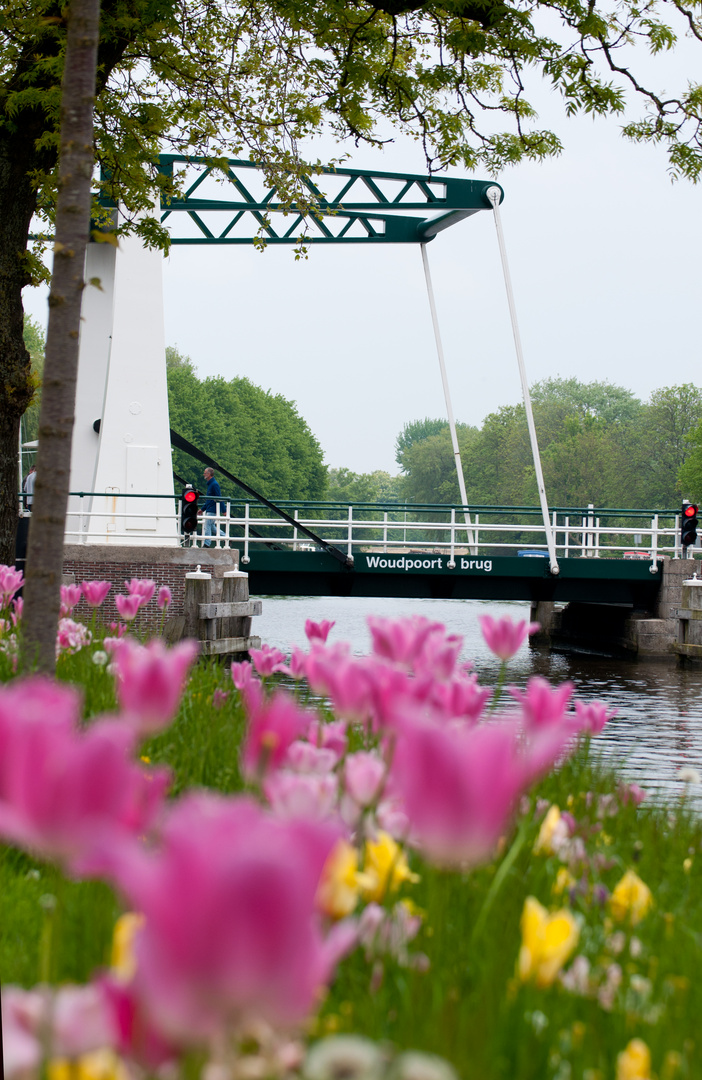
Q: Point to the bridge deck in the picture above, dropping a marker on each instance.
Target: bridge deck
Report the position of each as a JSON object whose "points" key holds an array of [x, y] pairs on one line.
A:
{"points": [[304, 573]]}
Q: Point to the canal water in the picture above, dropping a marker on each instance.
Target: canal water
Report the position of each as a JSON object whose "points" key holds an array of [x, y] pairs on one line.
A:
{"points": [[658, 726]]}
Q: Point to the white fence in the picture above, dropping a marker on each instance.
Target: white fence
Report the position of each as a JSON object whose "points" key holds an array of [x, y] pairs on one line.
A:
{"points": [[493, 530]]}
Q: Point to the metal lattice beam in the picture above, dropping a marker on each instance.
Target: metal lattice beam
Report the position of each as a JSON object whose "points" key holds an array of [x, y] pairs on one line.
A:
{"points": [[366, 207]]}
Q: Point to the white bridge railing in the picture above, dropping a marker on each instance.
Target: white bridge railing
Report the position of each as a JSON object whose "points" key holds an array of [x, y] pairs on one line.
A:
{"points": [[389, 528]]}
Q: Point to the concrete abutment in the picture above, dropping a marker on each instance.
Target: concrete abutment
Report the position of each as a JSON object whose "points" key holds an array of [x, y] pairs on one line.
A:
{"points": [[617, 630]]}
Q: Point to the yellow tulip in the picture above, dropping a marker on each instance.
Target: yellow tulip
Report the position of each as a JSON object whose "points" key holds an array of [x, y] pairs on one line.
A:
{"points": [[98, 1065], [631, 899], [548, 940], [634, 1063], [385, 867], [550, 828], [123, 960], [564, 880], [339, 888]]}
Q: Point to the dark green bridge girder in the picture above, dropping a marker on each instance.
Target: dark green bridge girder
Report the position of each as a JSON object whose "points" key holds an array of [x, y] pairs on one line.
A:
{"points": [[366, 206], [592, 581]]}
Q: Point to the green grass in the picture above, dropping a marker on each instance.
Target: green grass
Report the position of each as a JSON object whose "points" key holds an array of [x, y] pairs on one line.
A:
{"points": [[468, 1006]]}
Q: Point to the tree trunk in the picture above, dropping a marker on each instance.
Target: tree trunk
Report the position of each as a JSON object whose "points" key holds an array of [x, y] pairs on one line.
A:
{"points": [[46, 534], [17, 205]]}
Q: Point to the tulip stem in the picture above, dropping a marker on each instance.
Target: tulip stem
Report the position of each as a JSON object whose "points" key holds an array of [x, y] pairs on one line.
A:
{"points": [[498, 880], [502, 675], [49, 904]]}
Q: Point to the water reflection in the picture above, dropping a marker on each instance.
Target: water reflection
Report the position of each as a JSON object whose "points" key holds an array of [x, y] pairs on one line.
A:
{"points": [[658, 728]]}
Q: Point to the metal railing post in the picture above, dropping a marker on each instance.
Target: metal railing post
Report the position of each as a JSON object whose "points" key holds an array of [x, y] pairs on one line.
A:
{"points": [[296, 515], [245, 557], [385, 532], [567, 538], [597, 538], [590, 537], [452, 550], [654, 543], [349, 539]]}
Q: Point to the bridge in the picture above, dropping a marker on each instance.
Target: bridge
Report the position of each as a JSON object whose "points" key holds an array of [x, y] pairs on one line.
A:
{"points": [[605, 555], [121, 470]]}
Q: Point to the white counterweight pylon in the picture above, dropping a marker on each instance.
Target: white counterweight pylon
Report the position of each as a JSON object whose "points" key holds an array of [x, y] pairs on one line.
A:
{"points": [[122, 383]]}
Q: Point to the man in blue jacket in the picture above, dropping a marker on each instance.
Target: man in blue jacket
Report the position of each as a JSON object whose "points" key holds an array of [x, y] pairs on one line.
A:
{"points": [[210, 508]]}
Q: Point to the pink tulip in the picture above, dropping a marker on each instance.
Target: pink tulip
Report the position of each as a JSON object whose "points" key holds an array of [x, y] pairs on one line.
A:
{"points": [[298, 663], [164, 597], [592, 716], [230, 923], [17, 609], [439, 656], [543, 747], [144, 588], [242, 674], [64, 793], [543, 705], [128, 606], [70, 595], [458, 787], [82, 1021], [401, 640], [94, 592], [71, 636], [39, 699], [392, 819], [631, 792], [273, 726], [22, 1014], [504, 637], [460, 698], [136, 1035], [301, 795], [268, 660], [150, 681], [329, 734], [10, 581], [318, 631], [364, 776], [331, 671], [247, 684], [305, 757], [219, 697]]}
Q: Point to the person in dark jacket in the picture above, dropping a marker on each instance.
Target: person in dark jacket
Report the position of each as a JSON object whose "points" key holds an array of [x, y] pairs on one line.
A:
{"points": [[210, 508]]}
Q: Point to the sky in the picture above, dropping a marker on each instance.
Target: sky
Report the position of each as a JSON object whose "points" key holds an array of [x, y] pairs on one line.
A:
{"points": [[605, 255]]}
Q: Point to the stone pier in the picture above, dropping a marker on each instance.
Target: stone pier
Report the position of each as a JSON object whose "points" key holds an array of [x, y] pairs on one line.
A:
{"points": [[164, 565], [619, 631]]}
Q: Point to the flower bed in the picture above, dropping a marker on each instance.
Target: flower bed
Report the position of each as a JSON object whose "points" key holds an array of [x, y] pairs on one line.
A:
{"points": [[326, 865]]}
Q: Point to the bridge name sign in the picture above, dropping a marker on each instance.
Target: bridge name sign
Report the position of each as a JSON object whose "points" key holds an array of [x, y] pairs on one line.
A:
{"points": [[418, 562]]}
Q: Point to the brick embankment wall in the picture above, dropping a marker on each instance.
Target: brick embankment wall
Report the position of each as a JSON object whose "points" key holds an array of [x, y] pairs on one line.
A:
{"points": [[164, 565]]}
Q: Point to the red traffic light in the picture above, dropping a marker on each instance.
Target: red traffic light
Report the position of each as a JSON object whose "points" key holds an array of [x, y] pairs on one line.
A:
{"points": [[190, 495], [690, 510]]}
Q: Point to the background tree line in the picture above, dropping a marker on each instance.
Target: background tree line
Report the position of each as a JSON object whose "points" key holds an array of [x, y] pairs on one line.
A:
{"points": [[599, 443]]}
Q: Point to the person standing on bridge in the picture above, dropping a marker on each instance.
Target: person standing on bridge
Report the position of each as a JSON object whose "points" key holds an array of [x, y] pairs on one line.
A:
{"points": [[210, 509], [28, 487]]}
